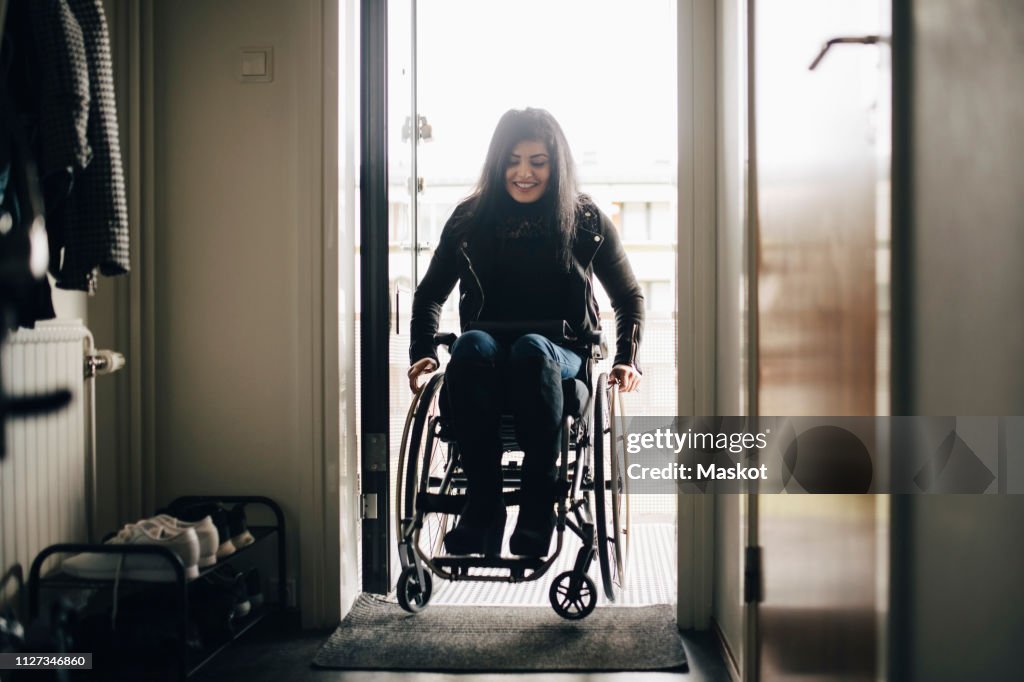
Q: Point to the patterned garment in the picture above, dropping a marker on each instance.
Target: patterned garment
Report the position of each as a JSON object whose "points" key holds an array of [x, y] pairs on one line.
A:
{"points": [[62, 81], [87, 214], [97, 233]]}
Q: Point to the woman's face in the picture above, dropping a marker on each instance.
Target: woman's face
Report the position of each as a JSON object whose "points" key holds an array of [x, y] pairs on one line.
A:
{"points": [[527, 171]]}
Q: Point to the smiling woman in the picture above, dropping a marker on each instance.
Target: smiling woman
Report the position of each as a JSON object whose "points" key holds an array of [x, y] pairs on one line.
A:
{"points": [[526, 177], [524, 246]]}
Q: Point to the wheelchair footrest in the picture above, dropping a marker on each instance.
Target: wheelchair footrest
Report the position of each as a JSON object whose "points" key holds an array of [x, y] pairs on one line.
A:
{"points": [[453, 504], [441, 504], [463, 562]]}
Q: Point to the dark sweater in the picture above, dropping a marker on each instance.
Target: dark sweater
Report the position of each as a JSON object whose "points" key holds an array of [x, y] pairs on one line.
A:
{"points": [[527, 282]]}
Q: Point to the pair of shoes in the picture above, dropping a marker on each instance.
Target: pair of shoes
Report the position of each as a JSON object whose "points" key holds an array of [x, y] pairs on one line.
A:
{"points": [[184, 542], [226, 580], [206, 530], [532, 535], [232, 529], [477, 533], [214, 602]]}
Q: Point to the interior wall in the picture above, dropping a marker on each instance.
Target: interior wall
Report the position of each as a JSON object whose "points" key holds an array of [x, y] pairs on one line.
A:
{"points": [[959, 574], [235, 292], [968, 258], [730, 347]]}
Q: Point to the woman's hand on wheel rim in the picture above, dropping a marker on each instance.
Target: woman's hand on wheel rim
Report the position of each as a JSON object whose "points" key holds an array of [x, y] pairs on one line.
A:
{"points": [[626, 377], [421, 366]]}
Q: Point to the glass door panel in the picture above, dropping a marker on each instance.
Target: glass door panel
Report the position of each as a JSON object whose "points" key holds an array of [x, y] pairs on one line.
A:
{"points": [[823, 176]]}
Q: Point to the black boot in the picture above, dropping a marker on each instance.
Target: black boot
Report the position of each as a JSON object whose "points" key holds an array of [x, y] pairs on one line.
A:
{"points": [[478, 531], [481, 524], [538, 407], [536, 523], [532, 536], [473, 398]]}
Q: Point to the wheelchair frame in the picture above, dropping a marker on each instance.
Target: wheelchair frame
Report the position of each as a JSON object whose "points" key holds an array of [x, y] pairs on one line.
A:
{"points": [[428, 462]]}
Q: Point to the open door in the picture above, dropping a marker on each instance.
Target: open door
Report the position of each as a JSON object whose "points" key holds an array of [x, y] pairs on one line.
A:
{"points": [[821, 146]]}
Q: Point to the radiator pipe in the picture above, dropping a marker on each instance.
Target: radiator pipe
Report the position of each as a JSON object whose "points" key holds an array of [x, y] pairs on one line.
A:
{"points": [[97, 363]]}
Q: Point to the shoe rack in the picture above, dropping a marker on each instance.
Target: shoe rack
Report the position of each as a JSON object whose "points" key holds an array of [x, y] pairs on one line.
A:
{"points": [[188, 661]]}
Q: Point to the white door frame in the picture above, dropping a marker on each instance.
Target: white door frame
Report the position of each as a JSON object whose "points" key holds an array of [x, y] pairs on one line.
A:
{"points": [[696, 277], [332, 553], [322, 550]]}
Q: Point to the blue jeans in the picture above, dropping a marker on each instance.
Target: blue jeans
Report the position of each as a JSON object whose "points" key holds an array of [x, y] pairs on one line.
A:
{"points": [[476, 346], [485, 378]]}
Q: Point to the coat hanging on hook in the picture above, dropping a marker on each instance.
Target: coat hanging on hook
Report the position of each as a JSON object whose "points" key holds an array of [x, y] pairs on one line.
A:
{"points": [[67, 92]]}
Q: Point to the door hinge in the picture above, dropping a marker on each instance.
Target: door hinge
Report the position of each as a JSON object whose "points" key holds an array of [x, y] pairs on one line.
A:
{"points": [[753, 578], [368, 506]]}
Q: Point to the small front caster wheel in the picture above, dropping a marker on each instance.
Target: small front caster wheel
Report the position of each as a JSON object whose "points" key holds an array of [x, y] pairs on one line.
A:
{"points": [[573, 595], [412, 596]]}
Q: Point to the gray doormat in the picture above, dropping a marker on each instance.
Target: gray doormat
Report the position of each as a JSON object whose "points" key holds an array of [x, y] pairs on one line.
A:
{"points": [[377, 635]]}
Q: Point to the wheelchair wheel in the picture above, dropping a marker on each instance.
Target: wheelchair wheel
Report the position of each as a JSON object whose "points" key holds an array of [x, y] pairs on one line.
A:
{"points": [[413, 596], [424, 465], [573, 596], [620, 486], [611, 500]]}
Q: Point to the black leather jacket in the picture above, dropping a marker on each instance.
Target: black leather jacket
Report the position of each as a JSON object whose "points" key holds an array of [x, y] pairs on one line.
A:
{"points": [[464, 251]]}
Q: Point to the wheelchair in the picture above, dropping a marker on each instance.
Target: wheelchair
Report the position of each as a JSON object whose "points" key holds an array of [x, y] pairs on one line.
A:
{"points": [[592, 491]]}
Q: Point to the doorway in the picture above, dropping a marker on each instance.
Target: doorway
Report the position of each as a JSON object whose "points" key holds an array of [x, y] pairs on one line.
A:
{"points": [[607, 71]]}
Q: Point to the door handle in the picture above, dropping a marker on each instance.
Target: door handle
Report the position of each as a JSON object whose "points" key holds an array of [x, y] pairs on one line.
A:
{"points": [[846, 40]]}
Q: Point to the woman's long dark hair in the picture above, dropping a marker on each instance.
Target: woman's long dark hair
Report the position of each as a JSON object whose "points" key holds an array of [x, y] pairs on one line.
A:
{"points": [[561, 199]]}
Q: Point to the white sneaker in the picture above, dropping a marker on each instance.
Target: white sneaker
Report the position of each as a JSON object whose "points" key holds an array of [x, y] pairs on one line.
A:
{"points": [[209, 540], [183, 542]]}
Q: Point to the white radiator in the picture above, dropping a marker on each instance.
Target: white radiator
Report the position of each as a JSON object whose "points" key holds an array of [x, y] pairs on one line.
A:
{"points": [[45, 477]]}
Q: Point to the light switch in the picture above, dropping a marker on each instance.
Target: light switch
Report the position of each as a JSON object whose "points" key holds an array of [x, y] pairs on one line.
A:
{"points": [[257, 64], [254, 64]]}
